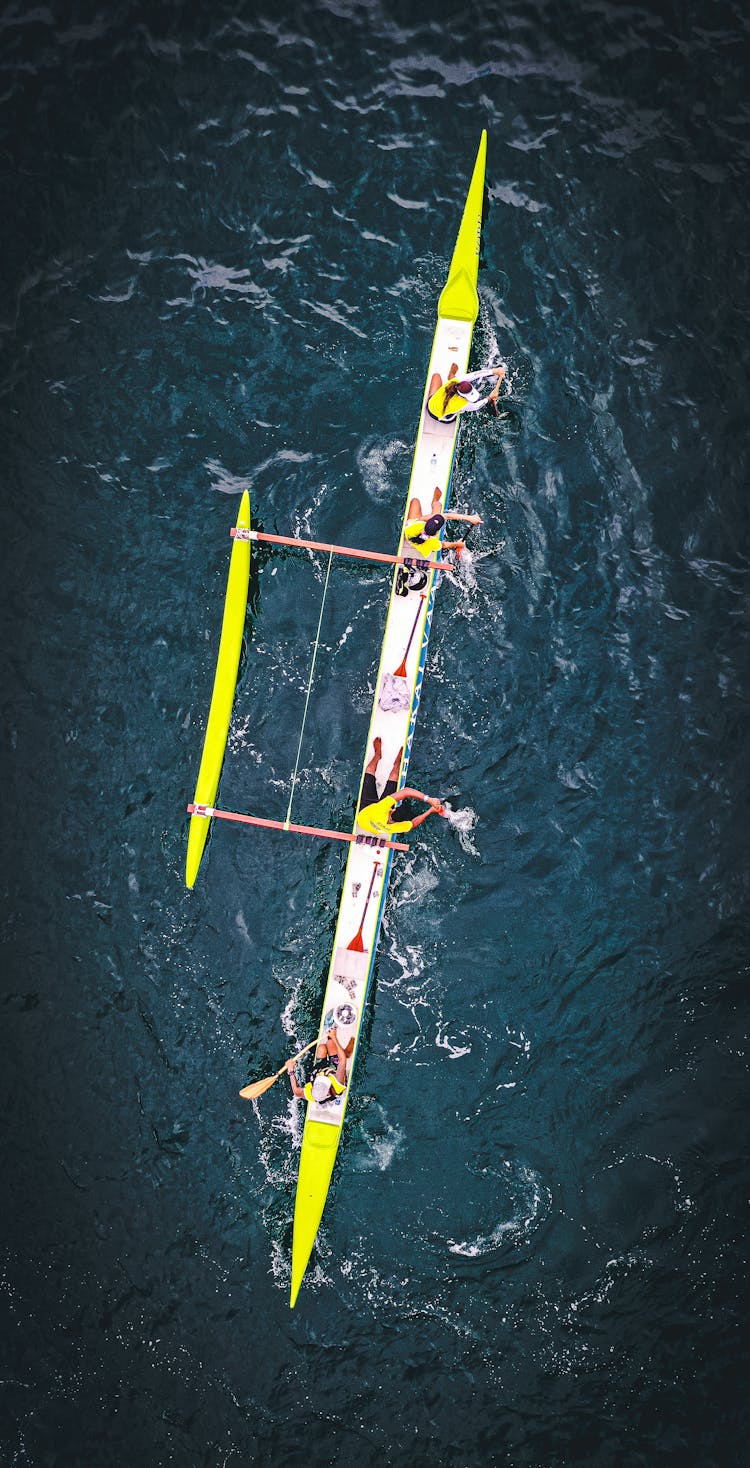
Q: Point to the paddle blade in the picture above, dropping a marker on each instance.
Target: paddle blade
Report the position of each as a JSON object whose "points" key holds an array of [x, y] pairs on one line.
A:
{"points": [[400, 670], [249, 1093], [356, 945]]}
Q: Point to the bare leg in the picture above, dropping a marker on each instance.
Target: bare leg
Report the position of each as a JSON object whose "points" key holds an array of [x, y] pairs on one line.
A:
{"points": [[377, 755], [437, 499], [436, 380], [397, 764]]}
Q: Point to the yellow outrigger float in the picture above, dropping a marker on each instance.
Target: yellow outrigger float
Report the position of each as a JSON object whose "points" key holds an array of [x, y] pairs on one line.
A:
{"points": [[394, 713], [367, 867], [222, 698]]}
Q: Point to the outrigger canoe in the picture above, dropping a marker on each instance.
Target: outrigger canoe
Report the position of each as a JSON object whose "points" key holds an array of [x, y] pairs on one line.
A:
{"points": [[392, 722], [368, 869]]}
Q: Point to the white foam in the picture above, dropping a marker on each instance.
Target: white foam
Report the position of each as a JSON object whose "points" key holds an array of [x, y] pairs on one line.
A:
{"points": [[532, 1199], [463, 823]]}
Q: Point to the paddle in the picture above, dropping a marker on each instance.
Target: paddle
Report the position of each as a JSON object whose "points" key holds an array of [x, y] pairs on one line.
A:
{"points": [[249, 1093], [401, 669], [356, 945]]}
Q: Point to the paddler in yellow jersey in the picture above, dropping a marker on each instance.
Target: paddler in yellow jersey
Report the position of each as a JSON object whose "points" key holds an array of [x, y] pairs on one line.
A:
{"points": [[424, 533], [374, 815], [445, 400]]}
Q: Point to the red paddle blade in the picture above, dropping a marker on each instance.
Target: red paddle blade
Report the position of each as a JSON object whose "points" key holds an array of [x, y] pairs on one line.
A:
{"points": [[356, 945], [401, 669]]}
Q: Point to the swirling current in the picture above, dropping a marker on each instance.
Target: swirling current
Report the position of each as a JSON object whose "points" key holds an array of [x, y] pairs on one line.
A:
{"points": [[226, 228]]}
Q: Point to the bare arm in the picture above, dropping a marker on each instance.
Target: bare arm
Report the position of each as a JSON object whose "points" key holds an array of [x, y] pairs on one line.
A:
{"points": [[434, 809], [294, 1083], [500, 373], [433, 806]]}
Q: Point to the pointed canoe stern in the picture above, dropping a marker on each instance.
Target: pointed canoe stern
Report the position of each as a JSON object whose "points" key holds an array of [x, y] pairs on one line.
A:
{"points": [[319, 1148], [459, 300]]}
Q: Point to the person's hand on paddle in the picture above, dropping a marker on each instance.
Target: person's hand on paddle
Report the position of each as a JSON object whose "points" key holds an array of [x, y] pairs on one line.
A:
{"points": [[257, 1088]]}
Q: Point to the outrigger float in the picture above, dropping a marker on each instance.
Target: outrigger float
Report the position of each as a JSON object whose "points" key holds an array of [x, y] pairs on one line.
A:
{"points": [[394, 715]]}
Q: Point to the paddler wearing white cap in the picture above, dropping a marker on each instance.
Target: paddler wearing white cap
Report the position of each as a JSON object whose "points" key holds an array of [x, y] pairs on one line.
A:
{"points": [[445, 400]]}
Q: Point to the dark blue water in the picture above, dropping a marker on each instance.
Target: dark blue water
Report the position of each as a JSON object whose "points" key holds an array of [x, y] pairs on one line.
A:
{"points": [[225, 231]]}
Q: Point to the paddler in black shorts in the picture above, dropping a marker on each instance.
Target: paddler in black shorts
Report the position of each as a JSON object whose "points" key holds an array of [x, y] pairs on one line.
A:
{"points": [[375, 811]]}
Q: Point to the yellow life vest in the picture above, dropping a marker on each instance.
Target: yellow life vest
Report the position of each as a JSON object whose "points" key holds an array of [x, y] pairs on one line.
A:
{"points": [[336, 1086], [427, 548], [374, 818], [438, 407]]}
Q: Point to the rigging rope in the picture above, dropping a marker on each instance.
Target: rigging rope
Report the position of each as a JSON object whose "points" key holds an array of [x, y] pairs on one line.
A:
{"points": [[309, 686]]}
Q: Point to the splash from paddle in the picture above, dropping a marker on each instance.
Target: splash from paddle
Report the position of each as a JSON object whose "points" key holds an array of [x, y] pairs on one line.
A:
{"points": [[463, 823]]}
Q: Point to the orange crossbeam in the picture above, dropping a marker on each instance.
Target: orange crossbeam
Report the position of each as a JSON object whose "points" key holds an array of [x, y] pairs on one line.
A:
{"points": [[338, 550], [210, 811]]}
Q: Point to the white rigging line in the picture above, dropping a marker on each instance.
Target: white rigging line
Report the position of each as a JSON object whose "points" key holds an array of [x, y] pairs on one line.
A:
{"points": [[309, 686]]}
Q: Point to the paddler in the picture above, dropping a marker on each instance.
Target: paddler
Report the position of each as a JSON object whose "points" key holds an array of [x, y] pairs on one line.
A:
{"points": [[445, 400], [375, 812], [328, 1079], [415, 511], [423, 533]]}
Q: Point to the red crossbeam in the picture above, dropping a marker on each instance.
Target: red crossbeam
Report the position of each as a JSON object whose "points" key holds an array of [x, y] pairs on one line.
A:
{"points": [[210, 811]]}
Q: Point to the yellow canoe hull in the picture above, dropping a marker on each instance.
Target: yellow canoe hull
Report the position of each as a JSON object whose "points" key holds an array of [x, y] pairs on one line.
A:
{"points": [[433, 458], [315, 1169], [458, 299], [222, 698]]}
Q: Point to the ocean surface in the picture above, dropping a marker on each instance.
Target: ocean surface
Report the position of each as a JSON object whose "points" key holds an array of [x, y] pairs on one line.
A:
{"points": [[225, 229]]}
